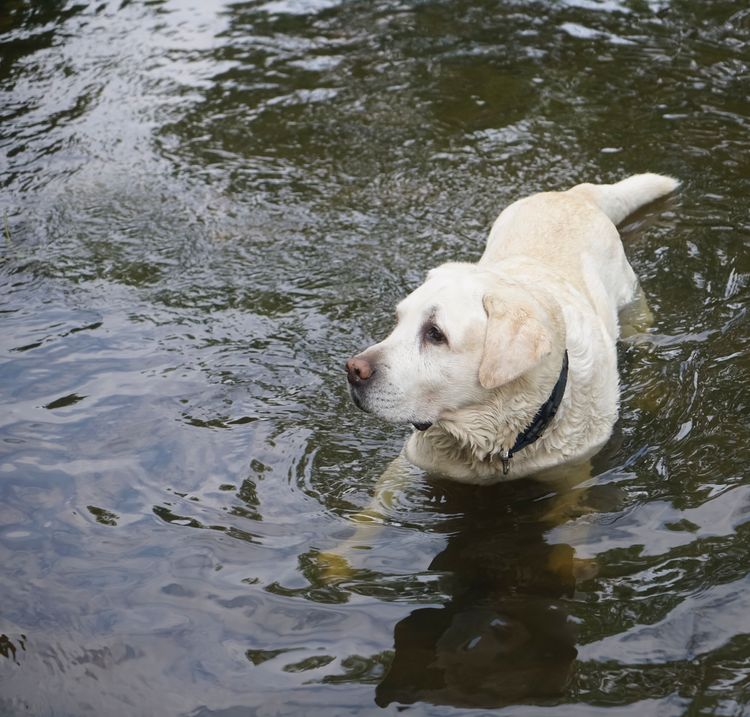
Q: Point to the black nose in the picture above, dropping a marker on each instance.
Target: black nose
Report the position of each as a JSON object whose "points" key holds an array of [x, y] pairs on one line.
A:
{"points": [[358, 370]]}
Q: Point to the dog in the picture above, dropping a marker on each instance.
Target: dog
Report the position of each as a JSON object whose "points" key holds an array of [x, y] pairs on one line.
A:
{"points": [[507, 367]]}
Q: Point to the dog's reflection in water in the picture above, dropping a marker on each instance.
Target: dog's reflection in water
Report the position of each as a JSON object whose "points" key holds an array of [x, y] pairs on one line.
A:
{"points": [[504, 636]]}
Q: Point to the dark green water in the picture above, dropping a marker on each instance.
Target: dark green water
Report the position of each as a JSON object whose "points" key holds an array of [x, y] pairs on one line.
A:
{"points": [[208, 207]]}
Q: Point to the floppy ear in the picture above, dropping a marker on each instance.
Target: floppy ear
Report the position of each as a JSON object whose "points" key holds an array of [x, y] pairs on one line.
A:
{"points": [[515, 342]]}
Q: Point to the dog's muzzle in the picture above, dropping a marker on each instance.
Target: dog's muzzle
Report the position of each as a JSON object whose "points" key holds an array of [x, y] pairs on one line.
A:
{"points": [[359, 371]]}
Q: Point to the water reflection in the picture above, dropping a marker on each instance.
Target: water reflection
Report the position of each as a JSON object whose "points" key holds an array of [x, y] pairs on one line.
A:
{"points": [[481, 650], [504, 634], [202, 201]]}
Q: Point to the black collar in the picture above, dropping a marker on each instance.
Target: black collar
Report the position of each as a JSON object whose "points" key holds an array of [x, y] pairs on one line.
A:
{"points": [[541, 420], [539, 423]]}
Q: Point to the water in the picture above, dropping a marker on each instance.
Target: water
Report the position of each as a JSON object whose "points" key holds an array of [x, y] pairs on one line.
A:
{"points": [[208, 207]]}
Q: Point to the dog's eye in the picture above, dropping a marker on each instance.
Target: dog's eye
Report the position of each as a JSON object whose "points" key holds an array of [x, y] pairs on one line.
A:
{"points": [[434, 335]]}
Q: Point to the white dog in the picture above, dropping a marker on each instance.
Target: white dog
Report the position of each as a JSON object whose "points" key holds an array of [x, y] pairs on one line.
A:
{"points": [[508, 367]]}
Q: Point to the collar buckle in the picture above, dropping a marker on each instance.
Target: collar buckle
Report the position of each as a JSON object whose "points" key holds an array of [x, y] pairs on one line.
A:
{"points": [[505, 457]]}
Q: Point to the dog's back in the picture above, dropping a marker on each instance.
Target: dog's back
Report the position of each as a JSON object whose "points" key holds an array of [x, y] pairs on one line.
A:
{"points": [[574, 233]]}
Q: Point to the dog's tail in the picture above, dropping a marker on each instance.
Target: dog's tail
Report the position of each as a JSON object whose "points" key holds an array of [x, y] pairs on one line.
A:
{"points": [[620, 200]]}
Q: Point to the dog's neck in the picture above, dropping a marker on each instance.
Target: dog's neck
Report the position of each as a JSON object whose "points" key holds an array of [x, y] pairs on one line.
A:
{"points": [[542, 419], [481, 434]]}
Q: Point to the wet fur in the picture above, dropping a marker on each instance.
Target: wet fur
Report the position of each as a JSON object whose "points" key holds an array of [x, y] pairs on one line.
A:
{"points": [[553, 276]]}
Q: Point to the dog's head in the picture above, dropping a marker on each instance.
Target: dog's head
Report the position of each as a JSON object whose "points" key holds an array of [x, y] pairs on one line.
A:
{"points": [[460, 336]]}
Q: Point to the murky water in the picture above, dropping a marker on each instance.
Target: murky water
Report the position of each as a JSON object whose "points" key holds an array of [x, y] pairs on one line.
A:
{"points": [[206, 208]]}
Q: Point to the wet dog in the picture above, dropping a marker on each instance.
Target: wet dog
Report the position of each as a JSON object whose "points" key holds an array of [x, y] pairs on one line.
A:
{"points": [[507, 367]]}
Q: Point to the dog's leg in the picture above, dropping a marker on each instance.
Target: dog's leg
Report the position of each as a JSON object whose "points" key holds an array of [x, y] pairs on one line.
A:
{"points": [[568, 504], [635, 320], [368, 522], [636, 317], [569, 500]]}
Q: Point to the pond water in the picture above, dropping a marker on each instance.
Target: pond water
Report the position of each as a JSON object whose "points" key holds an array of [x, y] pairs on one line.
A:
{"points": [[206, 208]]}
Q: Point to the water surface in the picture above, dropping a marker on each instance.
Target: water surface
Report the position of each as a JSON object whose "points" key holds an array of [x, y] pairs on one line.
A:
{"points": [[206, 208]]}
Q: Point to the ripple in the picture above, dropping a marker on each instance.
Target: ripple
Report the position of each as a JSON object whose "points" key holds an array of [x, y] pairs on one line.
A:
{"points": [[206, 208]]}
